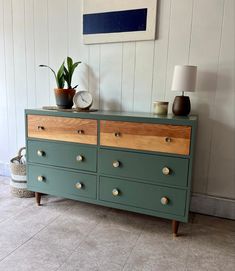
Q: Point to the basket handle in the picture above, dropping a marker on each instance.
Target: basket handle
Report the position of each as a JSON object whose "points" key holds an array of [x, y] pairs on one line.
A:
{"points": [[20, 151]]}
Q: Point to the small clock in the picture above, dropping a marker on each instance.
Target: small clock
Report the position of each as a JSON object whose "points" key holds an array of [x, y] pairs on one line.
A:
{"points": [[83, 100]]}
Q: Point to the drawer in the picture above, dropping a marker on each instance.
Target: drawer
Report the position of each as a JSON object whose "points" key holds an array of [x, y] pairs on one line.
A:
{"points": [[62, 154], [145, 136], [63, 129], [149, 167], [50, 180], [145, 196]]}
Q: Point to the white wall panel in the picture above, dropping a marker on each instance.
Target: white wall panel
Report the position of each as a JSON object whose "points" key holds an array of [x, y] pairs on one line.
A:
{"points": [[126, 76], [4, 147], [204, 51], [143, 76], [10, 78], [223, 135]]}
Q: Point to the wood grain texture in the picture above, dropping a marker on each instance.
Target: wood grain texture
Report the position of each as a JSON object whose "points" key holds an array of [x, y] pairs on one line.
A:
{"points": [[63, 129], [150, 137]]}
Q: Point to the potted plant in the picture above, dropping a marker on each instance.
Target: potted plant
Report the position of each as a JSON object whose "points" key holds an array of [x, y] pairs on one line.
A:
{"points": [[64, 96]]}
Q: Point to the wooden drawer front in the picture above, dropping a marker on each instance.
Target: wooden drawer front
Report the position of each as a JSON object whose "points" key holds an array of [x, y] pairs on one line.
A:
{"points": [[145, 196], [62, 154], [63, 129], [149, 167], [145, 136], [50, 180]]}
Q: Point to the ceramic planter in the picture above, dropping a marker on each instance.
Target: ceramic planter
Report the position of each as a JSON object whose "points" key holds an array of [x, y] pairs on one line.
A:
{"points": [[64, 97]]}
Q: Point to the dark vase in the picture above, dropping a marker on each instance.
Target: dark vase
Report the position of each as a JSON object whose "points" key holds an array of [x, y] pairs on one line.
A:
{"points": [[64, 97], [181, 106]]}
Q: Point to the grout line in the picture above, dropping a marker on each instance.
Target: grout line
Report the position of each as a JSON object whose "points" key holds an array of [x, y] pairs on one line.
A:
{"points": [[134, 246], [30, 238]]}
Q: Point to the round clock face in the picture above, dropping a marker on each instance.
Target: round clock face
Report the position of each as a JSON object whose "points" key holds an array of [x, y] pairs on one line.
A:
{"points": [[83, 99]]}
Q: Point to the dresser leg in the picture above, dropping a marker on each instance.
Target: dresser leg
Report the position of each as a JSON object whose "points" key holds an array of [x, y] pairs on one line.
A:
{"points": [[175, 227], [38, 198]]}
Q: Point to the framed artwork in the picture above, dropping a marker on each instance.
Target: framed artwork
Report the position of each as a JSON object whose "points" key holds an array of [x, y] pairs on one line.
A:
{"points": [[118, 20]]}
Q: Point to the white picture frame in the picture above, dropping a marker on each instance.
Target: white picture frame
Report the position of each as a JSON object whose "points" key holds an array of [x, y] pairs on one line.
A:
{"points": [[106, 21]]}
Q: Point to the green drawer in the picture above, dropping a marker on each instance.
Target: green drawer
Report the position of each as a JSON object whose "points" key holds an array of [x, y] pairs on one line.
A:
{"points": [[62, 155], [50, 180], [144, 196], [147, 167]]}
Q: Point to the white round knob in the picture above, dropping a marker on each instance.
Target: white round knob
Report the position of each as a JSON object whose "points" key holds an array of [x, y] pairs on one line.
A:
{"points": [[168, 139], [79, 185], [79, 158], [115, 192], [166, 171], [164, 200], [116, 164], [40, 153], [40, 178]]}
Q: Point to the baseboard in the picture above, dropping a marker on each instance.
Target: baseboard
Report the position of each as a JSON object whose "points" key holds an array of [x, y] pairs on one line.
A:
{"points": [[214, 206], [4, 169]]}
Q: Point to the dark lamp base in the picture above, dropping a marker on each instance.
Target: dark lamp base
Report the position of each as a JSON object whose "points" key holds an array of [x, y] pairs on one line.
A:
{"points": [[181, 106]]}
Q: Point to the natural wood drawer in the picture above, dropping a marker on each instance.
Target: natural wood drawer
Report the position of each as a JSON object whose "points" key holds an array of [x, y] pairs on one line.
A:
{"points": [[63, 129], [146, 136]]}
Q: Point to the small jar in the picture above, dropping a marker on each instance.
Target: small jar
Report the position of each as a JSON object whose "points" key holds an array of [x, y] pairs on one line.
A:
{"points": [[160, 108]]}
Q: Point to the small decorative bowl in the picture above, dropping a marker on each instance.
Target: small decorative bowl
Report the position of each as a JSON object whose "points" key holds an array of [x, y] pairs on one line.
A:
{"points": [[160, 108]]}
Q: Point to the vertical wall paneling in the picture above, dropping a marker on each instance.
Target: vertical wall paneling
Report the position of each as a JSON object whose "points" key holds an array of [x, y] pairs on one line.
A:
{"points": [[94, 73], [110, 76], [58, 36], [4, 150], [41, 52], [143, 76], [204, 51], [179, 39], [77, 50], [30, 53], [128, 75], [21, 95], [161, 50], [10, 78], [223, 141]]}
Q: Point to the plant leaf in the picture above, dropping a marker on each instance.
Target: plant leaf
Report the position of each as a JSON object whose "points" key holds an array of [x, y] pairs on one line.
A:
{"points": [[45, 66], [60, 76]]}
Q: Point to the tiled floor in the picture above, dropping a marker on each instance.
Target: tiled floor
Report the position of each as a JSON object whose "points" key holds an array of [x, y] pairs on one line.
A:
{"points": [[65, 235]]}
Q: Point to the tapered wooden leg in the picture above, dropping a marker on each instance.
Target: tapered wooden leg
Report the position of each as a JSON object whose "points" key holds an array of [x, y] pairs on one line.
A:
{"points": [[38, 198], [175, 227]]}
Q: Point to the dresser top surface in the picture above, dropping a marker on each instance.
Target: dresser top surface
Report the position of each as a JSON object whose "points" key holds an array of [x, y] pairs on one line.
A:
{"points": [[117, 115]]}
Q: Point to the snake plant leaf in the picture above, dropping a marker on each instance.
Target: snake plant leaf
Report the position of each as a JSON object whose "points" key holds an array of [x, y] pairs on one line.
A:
{"points": [[60, 77], [69, 62], [45, 66]]}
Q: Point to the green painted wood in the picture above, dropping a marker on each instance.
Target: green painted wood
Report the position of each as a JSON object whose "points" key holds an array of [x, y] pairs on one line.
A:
{"points": [[62, 155], [146, 167], [120, 116], [145, 196], [61, 181]]}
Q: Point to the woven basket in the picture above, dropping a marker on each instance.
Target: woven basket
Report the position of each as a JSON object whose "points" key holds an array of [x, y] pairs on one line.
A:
{"points": [[18, 181]]}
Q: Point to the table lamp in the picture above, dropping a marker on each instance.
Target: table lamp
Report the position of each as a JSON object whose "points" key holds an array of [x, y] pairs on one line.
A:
{"points": [[184, 79]]}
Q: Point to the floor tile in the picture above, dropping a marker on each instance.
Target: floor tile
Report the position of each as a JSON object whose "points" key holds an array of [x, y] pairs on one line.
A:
{"points": [[34, 255]]}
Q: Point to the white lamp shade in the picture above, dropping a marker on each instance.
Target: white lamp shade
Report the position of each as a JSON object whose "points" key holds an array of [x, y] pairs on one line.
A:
{"points": [[184, 78]]}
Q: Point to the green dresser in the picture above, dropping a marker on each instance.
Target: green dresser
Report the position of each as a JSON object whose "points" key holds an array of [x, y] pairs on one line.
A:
{"points": [[132, 161]]}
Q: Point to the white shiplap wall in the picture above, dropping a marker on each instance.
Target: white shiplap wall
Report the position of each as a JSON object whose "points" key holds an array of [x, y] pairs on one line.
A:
{"points": [[126, 76]]}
